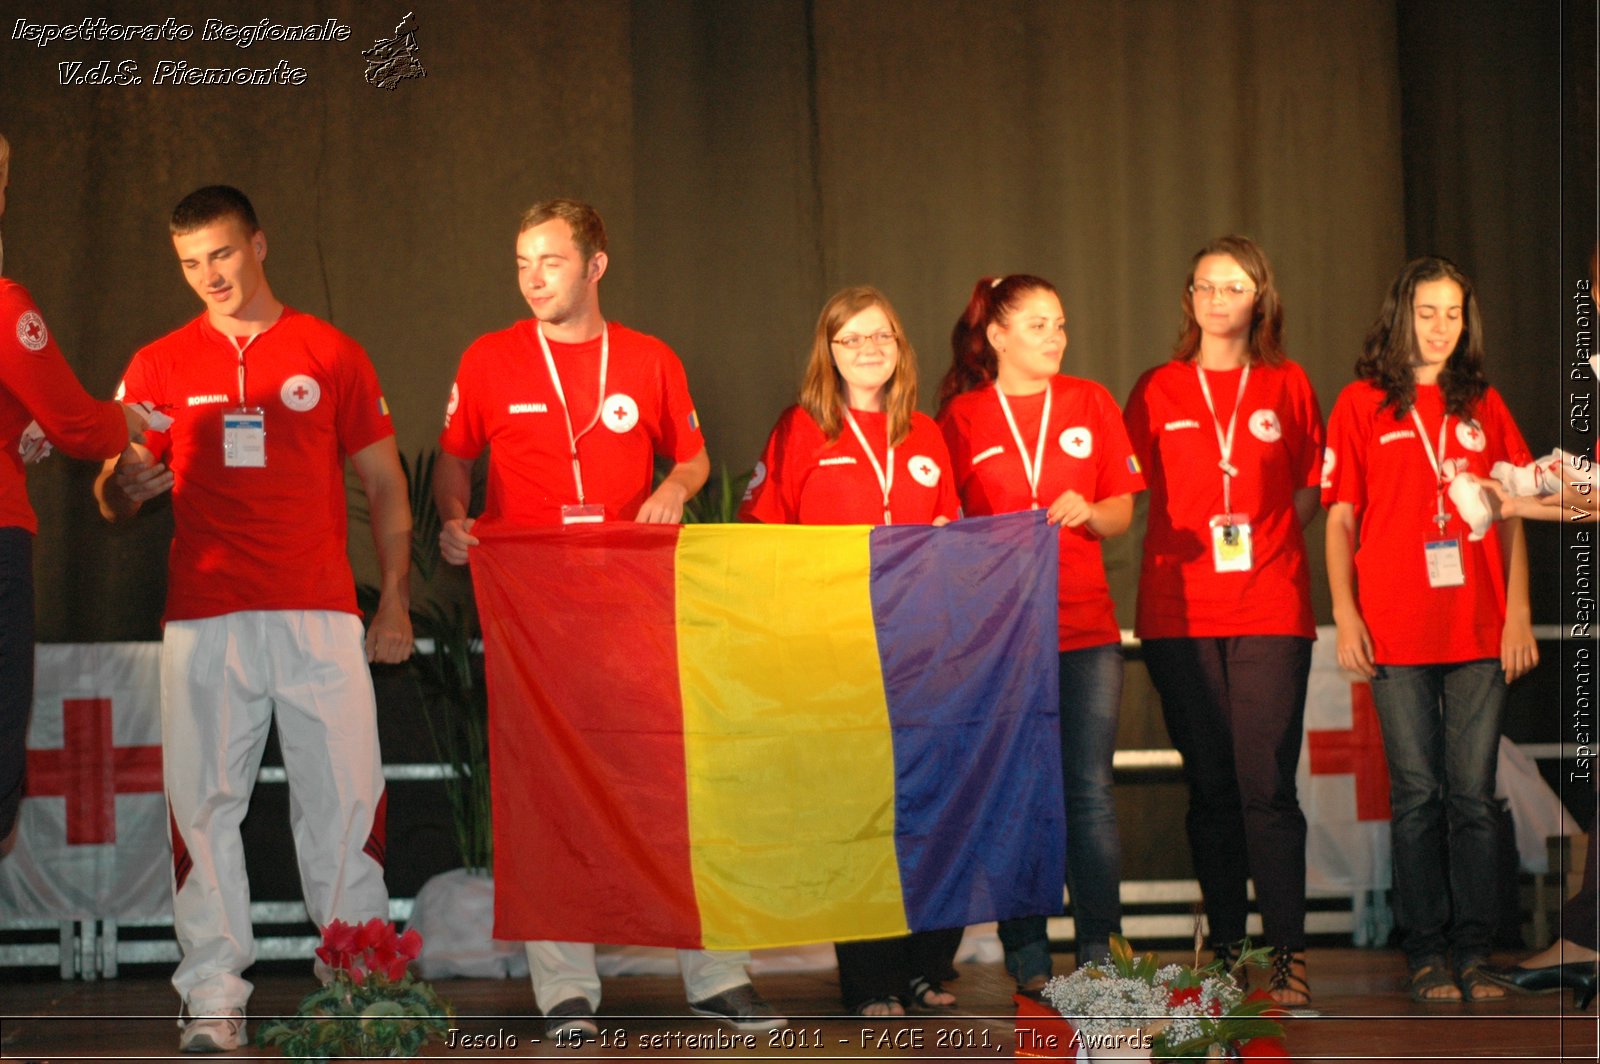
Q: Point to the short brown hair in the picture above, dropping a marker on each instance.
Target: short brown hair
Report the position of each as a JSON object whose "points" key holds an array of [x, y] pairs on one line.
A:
{"points": [[209, 205], [588, 231]]}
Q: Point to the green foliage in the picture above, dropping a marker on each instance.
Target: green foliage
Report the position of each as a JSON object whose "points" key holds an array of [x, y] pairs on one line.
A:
{"points": [[449, 671], [376, 1019], [718, 502]]}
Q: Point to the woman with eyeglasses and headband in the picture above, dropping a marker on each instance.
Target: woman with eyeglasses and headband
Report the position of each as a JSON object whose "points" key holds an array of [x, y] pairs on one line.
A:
{"points": [[1231, 435], [1023, 436], [855, 451], [1433, 613]]}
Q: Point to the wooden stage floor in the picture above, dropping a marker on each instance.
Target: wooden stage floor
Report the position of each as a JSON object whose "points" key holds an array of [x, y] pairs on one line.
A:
{"points": [[1363, 1016]]}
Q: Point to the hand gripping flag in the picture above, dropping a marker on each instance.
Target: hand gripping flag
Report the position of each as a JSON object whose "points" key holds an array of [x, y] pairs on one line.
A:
{"points": [[740, 736]]}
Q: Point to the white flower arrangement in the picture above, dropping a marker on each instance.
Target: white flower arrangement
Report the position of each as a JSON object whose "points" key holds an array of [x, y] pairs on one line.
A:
{"points": [[1180, 1011]]}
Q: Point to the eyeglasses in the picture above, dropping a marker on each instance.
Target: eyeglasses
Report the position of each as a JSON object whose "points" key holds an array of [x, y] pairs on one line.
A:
{"points": [[852, 342], [1232, 290]]}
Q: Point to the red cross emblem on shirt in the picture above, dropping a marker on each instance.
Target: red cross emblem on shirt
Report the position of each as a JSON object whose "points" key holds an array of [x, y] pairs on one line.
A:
{"points": [[926, 469], [1077, 440], [34, 330], [89, 771], [300, 391], [1357, 752], [620, 413], [1472, 433]]}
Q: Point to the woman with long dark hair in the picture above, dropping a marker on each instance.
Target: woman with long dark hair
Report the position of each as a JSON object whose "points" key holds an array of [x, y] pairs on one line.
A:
{"points": [[1231, 437], [1023, 436], [855, 451], [1437, 621]]}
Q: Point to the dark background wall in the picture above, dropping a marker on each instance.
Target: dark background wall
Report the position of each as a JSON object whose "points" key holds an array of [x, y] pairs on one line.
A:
{"points": [[752, 157]]}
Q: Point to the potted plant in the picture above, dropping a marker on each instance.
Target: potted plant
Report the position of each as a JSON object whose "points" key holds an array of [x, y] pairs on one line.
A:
{"points": [[371, 1007]]}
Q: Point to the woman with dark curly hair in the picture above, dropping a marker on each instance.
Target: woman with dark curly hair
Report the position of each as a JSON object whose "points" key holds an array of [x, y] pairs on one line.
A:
{"points": [[1231, 437], [1436, 620]]}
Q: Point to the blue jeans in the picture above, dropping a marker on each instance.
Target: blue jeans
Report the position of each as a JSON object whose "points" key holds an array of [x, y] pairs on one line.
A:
{"points": [[1091, 695], [1441, 736]]}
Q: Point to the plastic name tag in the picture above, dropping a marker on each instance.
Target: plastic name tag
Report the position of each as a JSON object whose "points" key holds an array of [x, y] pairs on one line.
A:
{"points": [[1444, 563], [1230, 543], [244, 438], [589, 514]]}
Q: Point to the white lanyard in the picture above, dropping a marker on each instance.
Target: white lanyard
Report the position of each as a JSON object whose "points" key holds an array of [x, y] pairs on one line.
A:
{"points": [[1436, 460], [885, 480], [241, 349], [1225, 440], [1030, 469], [600, 398]]}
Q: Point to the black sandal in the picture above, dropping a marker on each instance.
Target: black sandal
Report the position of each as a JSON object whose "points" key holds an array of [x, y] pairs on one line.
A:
{"points": [[922, 989], [1289, 979]]}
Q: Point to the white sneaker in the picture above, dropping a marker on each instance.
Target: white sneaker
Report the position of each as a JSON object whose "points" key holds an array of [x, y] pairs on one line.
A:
{"points": [[217, 1033]]}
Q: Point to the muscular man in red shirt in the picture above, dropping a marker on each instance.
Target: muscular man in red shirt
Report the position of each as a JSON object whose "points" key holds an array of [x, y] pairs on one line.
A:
{"points": [[261, 621]]}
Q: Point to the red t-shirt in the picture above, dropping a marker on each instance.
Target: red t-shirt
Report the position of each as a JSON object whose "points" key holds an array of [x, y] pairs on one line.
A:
{"points": [[503, 398], [1379, 466], [1086, 450], [36, 384], [1277, 449], [805, 479], [268, 538]]}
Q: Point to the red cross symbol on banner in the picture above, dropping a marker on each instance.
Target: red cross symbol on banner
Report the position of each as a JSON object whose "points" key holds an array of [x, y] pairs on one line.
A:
{"points": [[89, 772], [1357, 752]]}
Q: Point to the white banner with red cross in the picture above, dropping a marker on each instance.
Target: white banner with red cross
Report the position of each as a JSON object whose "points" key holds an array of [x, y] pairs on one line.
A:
{"points": [[92, 839], [1344, 786]]}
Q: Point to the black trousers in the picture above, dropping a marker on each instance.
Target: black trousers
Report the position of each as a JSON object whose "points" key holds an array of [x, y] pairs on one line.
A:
{"points": [[884, 967], [16, 666], [1235, 709]]}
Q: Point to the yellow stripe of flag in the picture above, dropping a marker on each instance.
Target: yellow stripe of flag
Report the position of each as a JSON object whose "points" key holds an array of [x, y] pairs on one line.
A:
{"points": [[787, 744]]}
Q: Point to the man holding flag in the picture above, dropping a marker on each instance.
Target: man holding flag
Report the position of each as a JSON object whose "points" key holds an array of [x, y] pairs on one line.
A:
{"points": [[576, 409]]}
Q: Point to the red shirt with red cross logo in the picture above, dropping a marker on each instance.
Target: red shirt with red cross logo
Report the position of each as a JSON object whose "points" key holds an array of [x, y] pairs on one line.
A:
{"points": [[269, 537], [1379, 467], [1086, 450], [503, 399], [36, 384], [1277, 450], [804, 478]]}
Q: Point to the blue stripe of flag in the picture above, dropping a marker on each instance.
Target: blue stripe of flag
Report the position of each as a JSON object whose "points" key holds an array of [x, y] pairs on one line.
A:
{"points": [[966, 618]]}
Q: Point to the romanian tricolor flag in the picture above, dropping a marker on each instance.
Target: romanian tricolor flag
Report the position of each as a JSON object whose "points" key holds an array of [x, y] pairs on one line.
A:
{"points": [[737, 736]]}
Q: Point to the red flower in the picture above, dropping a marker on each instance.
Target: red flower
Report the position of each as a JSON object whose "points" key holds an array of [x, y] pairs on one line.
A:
{"points": [[338, 943]]}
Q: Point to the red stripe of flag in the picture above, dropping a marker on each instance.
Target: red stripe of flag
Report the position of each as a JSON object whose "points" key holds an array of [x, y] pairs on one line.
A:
{"points": [[591, 831]]}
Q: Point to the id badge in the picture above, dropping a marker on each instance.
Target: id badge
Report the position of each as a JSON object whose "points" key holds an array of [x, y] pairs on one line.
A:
{"points": [[590, 514], [1444, 563], [244, 437], [1230, 543]]}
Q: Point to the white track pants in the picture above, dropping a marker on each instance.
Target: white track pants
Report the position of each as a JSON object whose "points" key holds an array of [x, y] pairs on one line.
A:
{"points": [[222, 680], [563, 970]]}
